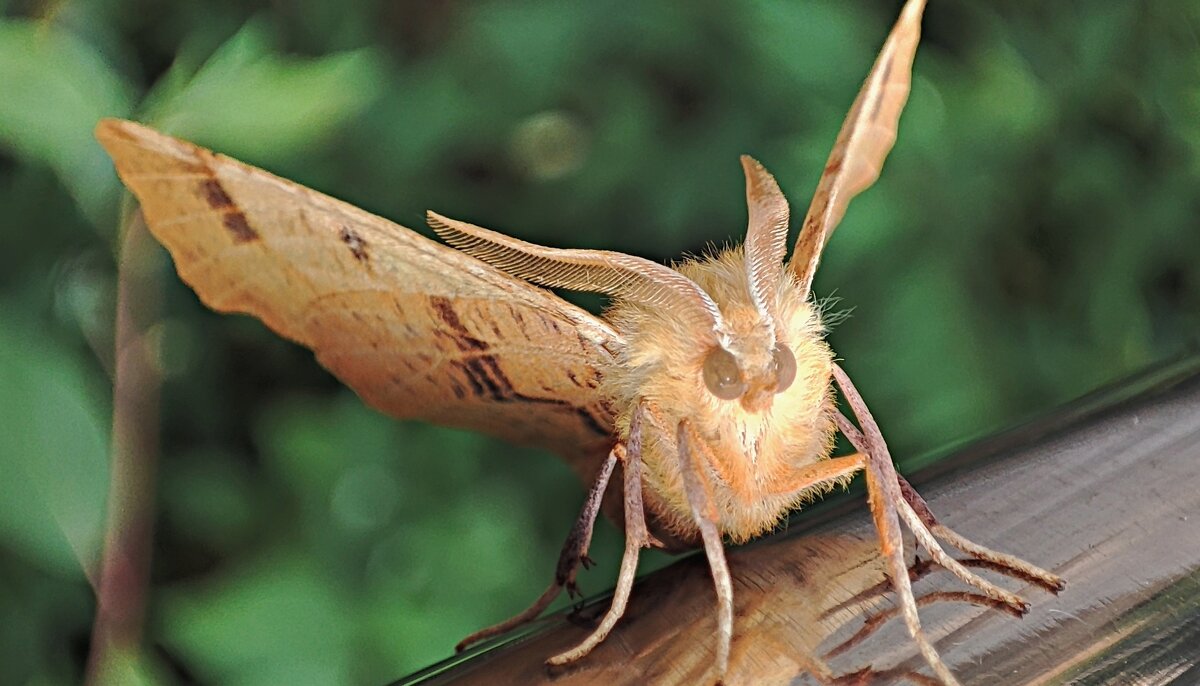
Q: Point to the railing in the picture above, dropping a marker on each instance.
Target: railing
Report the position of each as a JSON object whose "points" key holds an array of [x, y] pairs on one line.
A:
{"points": [[1105, 492]]}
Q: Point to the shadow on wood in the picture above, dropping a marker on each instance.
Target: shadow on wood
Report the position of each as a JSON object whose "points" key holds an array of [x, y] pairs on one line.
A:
{"points": [[1105, 492]]}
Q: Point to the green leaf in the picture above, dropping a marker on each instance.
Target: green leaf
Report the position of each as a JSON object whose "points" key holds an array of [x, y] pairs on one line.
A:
{"points": [[53, 453], [259, 104], [55, 88], [274, 621]]}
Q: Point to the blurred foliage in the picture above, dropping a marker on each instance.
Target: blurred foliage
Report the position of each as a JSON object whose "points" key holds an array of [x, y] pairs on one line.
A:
{"points": [[1034, 235]]}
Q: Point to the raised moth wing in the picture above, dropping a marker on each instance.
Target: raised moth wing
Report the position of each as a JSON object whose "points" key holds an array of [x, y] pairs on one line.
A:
{"points": [[416, 328], [866, 138]]}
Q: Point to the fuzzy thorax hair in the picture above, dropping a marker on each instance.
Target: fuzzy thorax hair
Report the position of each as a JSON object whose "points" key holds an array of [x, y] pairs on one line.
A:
{"points": [[749, 453]]}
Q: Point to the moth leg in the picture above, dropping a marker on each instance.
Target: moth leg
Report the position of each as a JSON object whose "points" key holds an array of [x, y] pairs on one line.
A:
{"points": [[835, 469], [929, 543], [573, 554], [705, 514], [1008, 564], [883, 495], [636, 538], [915, 512]]}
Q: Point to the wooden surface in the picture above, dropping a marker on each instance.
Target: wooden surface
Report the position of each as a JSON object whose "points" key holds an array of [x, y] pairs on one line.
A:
{"points": [[1105, 492]]}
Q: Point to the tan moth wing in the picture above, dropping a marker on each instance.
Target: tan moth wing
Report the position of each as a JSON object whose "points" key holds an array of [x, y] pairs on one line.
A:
{"points": [[416, 328], [863, 143]]}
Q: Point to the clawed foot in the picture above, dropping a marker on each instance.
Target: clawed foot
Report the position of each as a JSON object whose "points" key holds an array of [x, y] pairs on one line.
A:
{"points": [[920, 519], [893, 501], [1008, 565], [568, 567], [573, 555]]}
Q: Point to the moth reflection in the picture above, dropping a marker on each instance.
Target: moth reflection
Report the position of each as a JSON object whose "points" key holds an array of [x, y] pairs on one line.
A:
{"points": [[814, 609]]}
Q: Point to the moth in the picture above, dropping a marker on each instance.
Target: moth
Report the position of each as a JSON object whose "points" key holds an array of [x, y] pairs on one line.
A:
{"points": [[708, 386]]}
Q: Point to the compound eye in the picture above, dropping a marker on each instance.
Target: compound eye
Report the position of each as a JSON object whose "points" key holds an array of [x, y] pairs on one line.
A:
{"points": [[722, 375], [784, 363]]}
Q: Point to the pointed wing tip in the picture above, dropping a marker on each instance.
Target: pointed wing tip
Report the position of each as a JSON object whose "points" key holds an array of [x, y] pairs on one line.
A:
{"points": [[106, 125], [116, 127], [109, 130], [122, 139], [117, 135]]}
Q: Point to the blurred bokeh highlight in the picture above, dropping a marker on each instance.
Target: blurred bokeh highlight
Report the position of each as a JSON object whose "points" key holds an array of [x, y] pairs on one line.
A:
{"points": [[1035, 235]]}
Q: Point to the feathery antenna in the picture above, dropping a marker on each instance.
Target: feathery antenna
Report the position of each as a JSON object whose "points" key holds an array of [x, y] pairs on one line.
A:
{"points": [[766, 238], [614, 274]]}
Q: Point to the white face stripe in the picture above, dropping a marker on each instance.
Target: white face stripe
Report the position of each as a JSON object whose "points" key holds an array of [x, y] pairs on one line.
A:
{"points": [[758, 297], [766, 240]]}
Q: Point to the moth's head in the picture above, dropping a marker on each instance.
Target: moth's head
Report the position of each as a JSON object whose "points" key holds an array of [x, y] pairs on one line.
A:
{"points": [[751, 367], [751, 362]]}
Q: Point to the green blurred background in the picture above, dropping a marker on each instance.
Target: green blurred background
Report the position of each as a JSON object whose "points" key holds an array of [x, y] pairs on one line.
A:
{"points": [[1036, 234]]}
